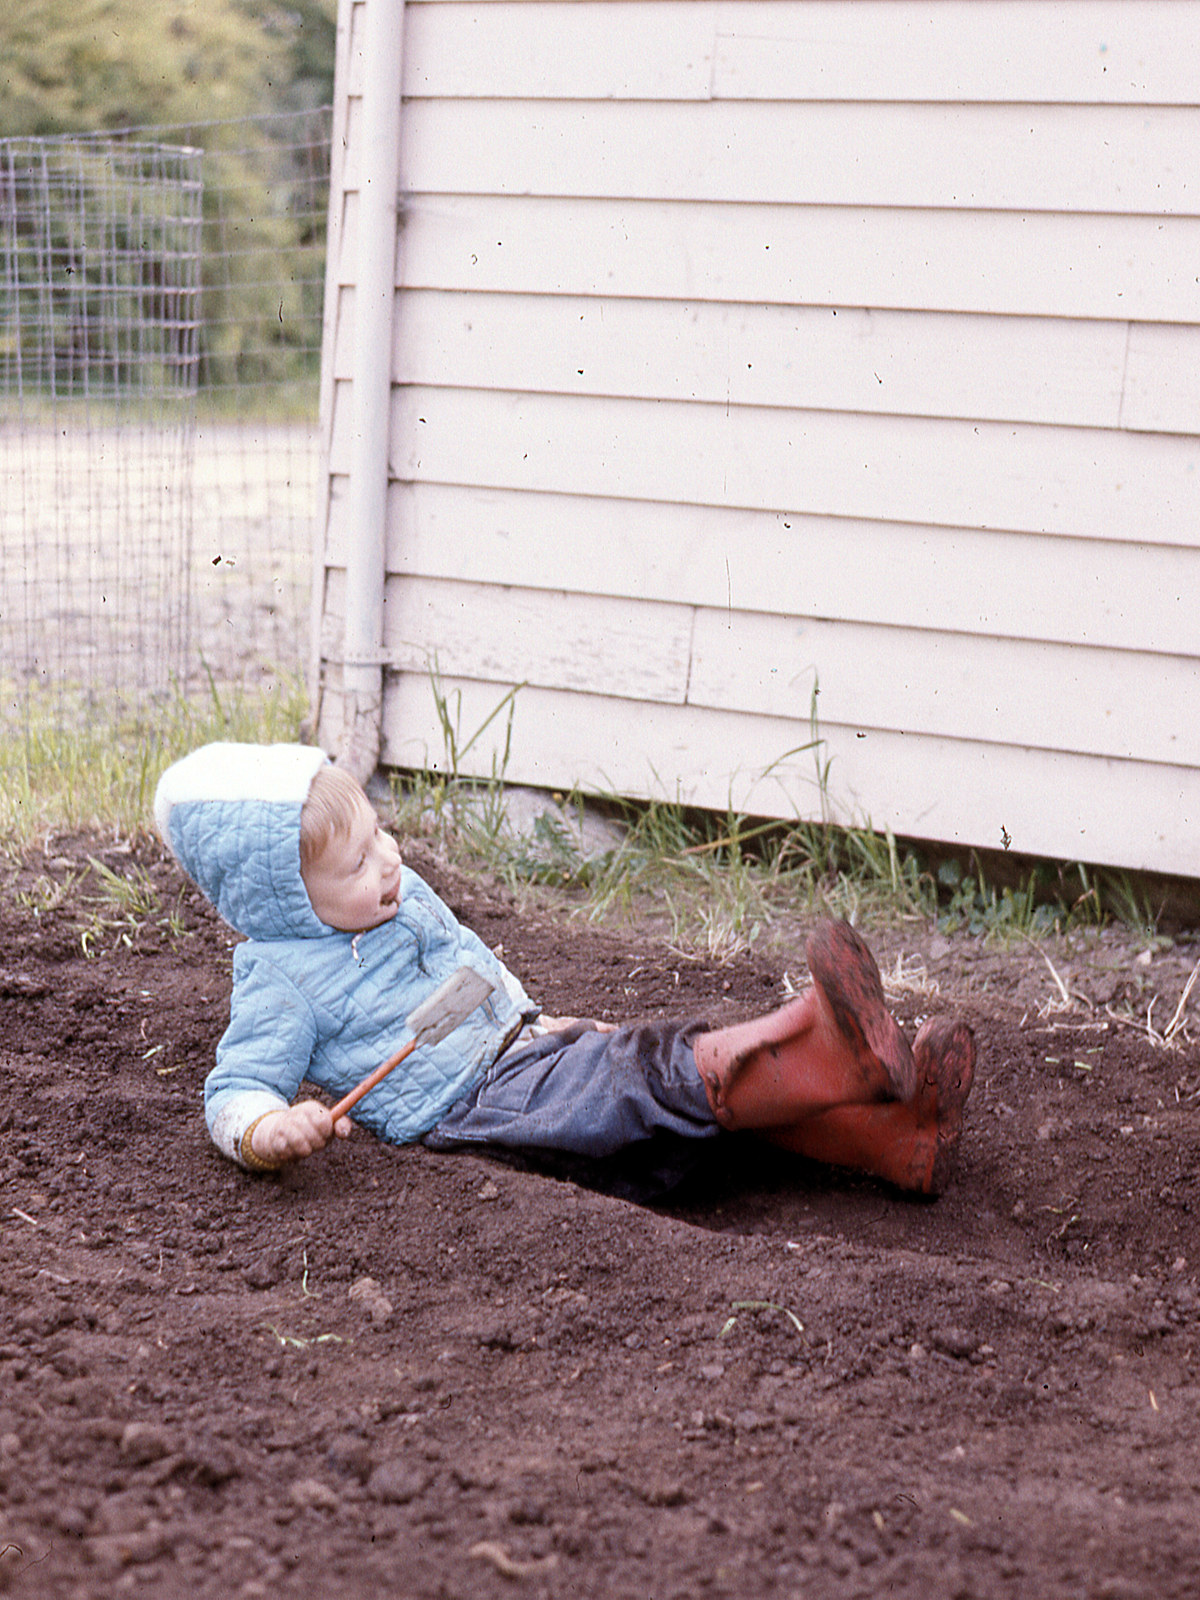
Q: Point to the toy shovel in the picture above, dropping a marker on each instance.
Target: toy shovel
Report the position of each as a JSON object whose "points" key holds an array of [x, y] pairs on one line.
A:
{"points": [[430, 1023]]}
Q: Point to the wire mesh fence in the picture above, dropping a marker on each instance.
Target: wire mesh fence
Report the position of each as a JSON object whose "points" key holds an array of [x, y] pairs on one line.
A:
{"points": [[101, 250], [160, 326]]}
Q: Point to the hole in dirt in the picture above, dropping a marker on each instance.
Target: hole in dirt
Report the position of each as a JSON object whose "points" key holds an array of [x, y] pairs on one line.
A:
{"points": [[740, 1186]]}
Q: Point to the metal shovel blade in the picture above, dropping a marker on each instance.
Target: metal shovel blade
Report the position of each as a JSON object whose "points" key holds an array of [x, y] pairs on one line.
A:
{"points": [[449, 1004], [430, 1022]]}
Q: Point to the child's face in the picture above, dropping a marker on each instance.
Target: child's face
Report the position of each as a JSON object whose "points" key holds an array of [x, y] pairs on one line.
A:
{"points": [[354, 883]]}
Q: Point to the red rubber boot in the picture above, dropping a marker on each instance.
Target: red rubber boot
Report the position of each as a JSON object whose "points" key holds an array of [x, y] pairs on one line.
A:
{"points": [[837, 1044], [912, 1145]]}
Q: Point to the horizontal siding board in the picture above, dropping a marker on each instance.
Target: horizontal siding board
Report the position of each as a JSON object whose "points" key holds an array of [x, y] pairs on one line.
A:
{"points": [[982, 50], [1162, 378], [1039, 264], [1005, 50], [1071, 481], [548, 638], [1111, 159], [1002, 691], [1101, 594], [574, 51], [1019, 369], [1133, 814]]}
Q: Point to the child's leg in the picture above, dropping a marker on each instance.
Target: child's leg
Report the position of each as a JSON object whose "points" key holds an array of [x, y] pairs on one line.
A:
{"points": [[911, 1144], [586, 1093], [837, 1044], [830, 1076]]}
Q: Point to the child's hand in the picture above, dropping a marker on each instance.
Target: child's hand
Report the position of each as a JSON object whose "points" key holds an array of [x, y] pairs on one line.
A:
{"points": [[575, 1024], [299, 1131]]}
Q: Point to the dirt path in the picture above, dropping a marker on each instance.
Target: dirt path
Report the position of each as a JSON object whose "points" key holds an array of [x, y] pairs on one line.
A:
{"points": [[139, 558], [394, 1373]]}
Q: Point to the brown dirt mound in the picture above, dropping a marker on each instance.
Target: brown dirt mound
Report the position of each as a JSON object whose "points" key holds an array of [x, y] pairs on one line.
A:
{"points": [[393, 1372]]}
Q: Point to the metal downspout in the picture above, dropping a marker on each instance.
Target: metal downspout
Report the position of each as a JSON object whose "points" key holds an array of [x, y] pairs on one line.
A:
{"points": [[374, 307]]}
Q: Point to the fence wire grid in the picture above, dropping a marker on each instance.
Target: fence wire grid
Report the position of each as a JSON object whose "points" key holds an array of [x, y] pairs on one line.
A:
{"points": [[160, 327]]}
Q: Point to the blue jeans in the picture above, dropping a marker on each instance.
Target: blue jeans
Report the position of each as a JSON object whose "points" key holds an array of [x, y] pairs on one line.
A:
{"points": [[586, 1093]]}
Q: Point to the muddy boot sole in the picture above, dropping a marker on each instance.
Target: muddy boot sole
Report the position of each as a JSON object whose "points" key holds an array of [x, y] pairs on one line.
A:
{"points": [[945, 1056], [848, 976]]}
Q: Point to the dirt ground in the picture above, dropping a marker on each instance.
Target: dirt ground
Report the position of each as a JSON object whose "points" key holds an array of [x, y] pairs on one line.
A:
{"points": [[389, 1372]]}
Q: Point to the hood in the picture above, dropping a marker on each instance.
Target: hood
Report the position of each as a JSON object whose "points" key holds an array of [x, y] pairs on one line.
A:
{"points": [[230, 815]]}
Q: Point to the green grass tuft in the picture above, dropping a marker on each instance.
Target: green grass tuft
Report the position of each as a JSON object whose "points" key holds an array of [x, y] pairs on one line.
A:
{"points": [[67, 768]]}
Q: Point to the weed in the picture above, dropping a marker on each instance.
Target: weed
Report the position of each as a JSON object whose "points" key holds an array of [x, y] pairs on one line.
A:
{"points": [[134, 897], [451, 724], [549, 854], [979, 908], [126, 907], [1130, 904], [719, 879], [910, 976], [45, 894], [444, 799]]}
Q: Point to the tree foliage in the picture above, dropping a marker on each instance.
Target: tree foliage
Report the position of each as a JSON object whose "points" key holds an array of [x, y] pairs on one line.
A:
{"points": [[234, 77], [84, 66]]}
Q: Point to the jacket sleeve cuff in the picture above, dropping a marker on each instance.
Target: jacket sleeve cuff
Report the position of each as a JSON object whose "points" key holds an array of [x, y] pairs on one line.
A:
{"points": [[239, 1112]]}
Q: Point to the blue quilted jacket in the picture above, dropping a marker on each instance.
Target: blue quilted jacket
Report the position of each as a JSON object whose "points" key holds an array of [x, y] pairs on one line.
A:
{"points": [[309, 1002]]}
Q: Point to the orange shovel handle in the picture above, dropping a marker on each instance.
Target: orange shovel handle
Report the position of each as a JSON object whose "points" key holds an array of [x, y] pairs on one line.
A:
{"points": [[372, 1079]]}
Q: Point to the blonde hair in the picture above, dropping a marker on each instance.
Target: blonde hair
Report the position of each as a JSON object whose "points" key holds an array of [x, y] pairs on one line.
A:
{"points": [[327, 814]]}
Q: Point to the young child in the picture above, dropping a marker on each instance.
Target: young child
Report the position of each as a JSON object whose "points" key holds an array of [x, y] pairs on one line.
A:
{"points": [[343, 941]]}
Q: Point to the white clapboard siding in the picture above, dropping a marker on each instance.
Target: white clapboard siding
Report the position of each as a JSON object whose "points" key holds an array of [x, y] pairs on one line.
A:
{"points": [[1121, 596], [1077, 808], [952, 685], [763, 366], [1112, 159], [1162, 378], [1143, 377], [560, 51], [1009, 263], [549, 637], [1081, 481], [1023, 369], [1133, 51], [1015, 51]]}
